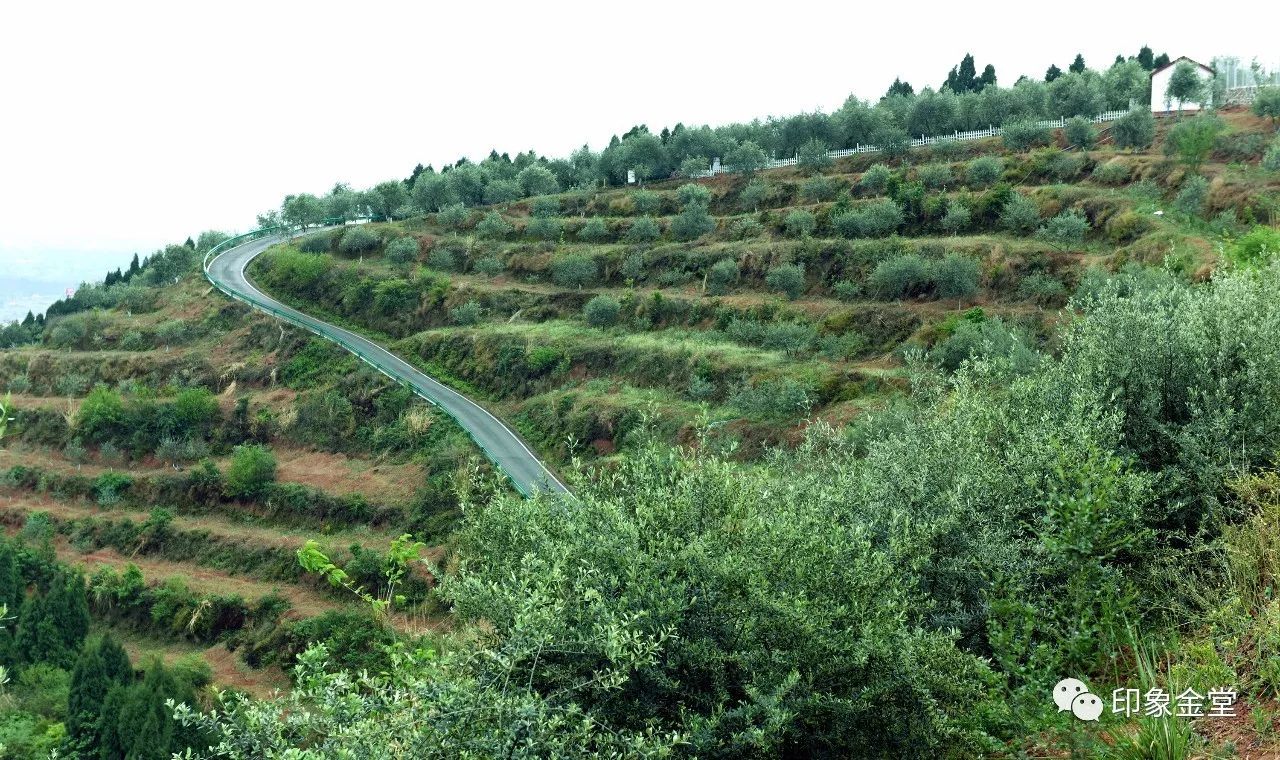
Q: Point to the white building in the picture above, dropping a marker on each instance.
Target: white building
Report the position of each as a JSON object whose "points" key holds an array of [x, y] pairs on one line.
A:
{"points": [[1160, 103]]}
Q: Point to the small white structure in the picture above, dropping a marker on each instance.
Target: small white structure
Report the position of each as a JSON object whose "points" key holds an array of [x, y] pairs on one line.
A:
{"points": [[1160, 103]]}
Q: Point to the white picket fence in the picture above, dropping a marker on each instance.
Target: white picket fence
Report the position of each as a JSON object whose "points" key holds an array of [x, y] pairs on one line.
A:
{"points": [[977, 134]]}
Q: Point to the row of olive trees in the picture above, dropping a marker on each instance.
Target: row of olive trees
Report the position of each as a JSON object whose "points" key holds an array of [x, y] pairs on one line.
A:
{"points": [[889, 124]]}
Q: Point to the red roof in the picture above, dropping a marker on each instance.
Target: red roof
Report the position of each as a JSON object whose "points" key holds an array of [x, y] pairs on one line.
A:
{"points": [[1175, 61]]}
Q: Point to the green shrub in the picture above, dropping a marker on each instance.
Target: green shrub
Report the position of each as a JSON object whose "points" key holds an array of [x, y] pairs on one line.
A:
{"points": [[574, 271], [357, 240], [1042, 289], [545, 207], [694, 166], [468, 313], [594, 231], [442, 259], [1024, 135], [899, 277], [646, 202], [252, 471], [875, 219], [172, 332], [691, 193], [800, 223], [320, 242], [544, 228], [983, 171], [633, 267], [841, 347], [722, 276], [773, 399], [453, 216], [1259, 247], [955, 276], [1113, 172], [1192, 196], [692, 223], [875, 179], [1126, 227], [787, 279], [602, 311], [1271, 160], [493, 226], [1136, 129], [489, 266], [746, 228], [1020, 214], [981, 339], [847, 290], [934, 176], [1063, 166], [502, 191], [1067, 228], [957, 218], [644, 230], [1266, 103], [819, 188], [1080, 133], [403, 251], [1192, 140], [755, 194]]}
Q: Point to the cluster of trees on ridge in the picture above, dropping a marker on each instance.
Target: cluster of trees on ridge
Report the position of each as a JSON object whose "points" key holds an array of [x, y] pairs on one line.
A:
{"points": [[965, 101]]}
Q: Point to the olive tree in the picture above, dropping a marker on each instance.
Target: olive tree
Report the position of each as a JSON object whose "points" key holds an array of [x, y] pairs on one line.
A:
{"points": [[1067, 228], [602, 311], [403, 251], [814, 155], [1185, 85], [574, 270], [537, 179], [747, 158], [1136, 129], [788, 279]]}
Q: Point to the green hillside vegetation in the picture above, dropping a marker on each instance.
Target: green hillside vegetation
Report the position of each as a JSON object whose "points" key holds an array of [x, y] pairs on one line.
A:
{"points": [[169, 452], [867, 453], [765, 301]]}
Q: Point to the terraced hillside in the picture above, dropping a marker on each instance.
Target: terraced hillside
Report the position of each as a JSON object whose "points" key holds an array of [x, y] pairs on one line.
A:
{"points": [[143, 421], [731, 310]]}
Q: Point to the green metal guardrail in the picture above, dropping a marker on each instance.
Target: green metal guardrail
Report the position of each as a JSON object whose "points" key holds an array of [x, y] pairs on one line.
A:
{"points": [[334, 337]]}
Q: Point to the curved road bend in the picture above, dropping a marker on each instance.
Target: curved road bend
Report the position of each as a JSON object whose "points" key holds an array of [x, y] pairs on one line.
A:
{"points": [[502, 445]]}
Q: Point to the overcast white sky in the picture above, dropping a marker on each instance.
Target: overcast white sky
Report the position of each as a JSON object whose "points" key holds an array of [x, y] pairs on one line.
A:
{"points": [[129, 125]]}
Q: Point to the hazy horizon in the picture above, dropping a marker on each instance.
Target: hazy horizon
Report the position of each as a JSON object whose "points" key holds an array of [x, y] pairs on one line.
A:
{"points": [[163, 137]]}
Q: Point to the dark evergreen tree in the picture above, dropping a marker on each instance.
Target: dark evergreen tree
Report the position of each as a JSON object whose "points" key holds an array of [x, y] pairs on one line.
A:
{"points": [[115, 661], [1077, 66], [988, 78], [145, 728], [111, 745], [419, 169], [1162, 60], [12, 587], [29, 320], [1119, 60], [89, 687], [963, 78], [190, 243], [37, 638], [1052, 73], [1146, 58], [900, 87], [68, 608], [134, 268]]}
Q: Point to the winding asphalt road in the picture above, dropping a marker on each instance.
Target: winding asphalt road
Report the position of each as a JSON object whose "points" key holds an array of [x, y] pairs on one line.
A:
{"points": [[498, 441]]}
